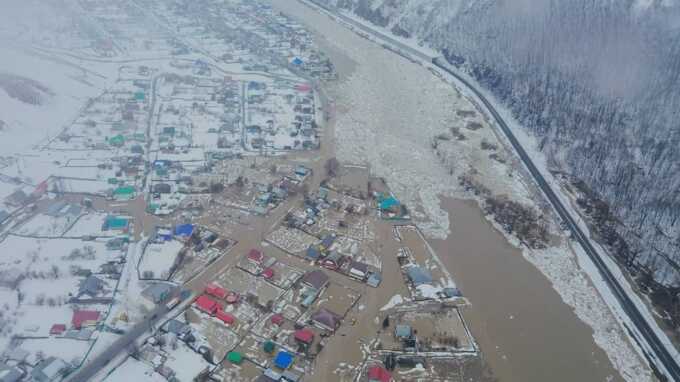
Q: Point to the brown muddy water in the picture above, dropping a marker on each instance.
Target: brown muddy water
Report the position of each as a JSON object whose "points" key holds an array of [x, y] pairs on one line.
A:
{"points": [[524, 329]]}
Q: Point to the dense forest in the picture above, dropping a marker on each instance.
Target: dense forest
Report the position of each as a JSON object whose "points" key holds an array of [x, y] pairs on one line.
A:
{"points": [[596, 81]]}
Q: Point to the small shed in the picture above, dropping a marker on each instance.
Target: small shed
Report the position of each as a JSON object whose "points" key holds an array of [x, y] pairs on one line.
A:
{"points": [[268, 347], [57, 329], [402, 331], [235, 357]]}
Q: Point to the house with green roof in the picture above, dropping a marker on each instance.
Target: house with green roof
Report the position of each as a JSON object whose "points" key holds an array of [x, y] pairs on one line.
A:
{"points": [[117, 141], [124, 193], [116, 223]]}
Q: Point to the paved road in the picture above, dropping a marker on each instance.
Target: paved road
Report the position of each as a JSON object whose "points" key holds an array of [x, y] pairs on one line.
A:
{"points": [[660, 352]]}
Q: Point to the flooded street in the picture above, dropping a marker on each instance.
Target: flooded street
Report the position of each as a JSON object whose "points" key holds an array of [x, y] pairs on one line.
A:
{"points": [[525, 330]]}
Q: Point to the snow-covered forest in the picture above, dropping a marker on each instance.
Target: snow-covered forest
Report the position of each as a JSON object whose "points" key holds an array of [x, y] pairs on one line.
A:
{"points": [[596, 81]]}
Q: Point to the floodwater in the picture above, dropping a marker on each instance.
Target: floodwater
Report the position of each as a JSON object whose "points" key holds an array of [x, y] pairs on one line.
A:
{"points": [[524, 329], [526, 332]]}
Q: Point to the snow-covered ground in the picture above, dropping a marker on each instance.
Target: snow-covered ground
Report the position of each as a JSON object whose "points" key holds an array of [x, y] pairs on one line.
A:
{"points": [[132, 370], [159, 258]]}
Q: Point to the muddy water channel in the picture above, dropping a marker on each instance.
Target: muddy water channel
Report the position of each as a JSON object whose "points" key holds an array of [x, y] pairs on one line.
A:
{"points": [[524, 329]]}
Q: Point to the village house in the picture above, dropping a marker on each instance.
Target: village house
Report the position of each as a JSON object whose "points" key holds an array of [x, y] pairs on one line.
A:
{"points": [[83, 318], [91, 286], [315, 279], [325, 319]]}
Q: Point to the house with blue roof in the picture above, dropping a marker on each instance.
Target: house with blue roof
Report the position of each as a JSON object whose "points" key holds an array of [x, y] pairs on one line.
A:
{"points": [[418, 276], [283, 360]]}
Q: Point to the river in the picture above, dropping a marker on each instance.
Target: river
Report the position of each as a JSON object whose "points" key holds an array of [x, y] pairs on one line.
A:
{"points": [[525, 330]]}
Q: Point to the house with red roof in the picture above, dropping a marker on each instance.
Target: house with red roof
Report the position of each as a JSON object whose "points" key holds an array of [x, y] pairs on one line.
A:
{"points": [[206, 304], [216, 291], [225, 317], [305, 335], [83, 318], [377, 373]]}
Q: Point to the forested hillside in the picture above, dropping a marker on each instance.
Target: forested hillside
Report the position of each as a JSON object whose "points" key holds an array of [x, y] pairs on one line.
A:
{"points": [[597, 81]]}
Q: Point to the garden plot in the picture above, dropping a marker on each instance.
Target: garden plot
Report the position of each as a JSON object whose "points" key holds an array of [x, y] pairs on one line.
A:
{"points": [[246, 371], [245, 284], [86, 186], [194, 262], [185, 362], [336, 298], [49, 257], [357, 250], [47, 226], [425, 277], [159, 259], [429, 327], [221, 337], [252, 349], [291, 240], [245, 313], [274, 329], [288, 304], [35, 321], [70, 350], [284, 275]]}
